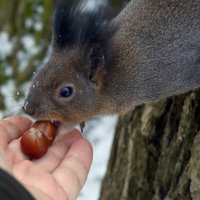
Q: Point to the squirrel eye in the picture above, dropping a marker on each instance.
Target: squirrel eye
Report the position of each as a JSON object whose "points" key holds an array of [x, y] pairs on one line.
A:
{"points": [[66, 92]]}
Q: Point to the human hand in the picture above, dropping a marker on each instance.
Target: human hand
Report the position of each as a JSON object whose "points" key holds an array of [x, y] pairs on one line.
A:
{"points": [[60, 174]]}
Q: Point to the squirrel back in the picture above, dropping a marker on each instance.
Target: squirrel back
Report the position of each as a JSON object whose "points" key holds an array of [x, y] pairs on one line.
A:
{"points": [[150, 51], [158, 47]]}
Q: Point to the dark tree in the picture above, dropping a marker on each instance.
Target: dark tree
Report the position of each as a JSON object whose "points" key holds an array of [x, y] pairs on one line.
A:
{"points": [[156, 154]]}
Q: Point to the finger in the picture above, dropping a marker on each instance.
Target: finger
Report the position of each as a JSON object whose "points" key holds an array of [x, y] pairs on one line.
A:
{"points": [[73, 170], [14, 152], [54, 155], [58, 150], [35, 177], [4, 162], [12, 128]]}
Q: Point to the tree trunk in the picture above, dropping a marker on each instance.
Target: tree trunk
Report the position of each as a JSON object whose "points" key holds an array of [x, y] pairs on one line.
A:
{"points": [[156, 152]]}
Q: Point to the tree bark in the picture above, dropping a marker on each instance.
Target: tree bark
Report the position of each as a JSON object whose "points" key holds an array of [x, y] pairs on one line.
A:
{"points": [[156, 152]]}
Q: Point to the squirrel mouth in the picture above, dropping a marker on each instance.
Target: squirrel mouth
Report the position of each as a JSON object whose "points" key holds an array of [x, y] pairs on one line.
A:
{"points": [[56, 124]]}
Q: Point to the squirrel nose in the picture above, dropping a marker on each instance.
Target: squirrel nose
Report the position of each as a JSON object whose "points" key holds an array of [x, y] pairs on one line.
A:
{"points": [[28, 109]]}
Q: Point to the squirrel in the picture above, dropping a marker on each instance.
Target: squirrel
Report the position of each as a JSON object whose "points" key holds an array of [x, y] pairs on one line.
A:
{"points": [[98, 66]]}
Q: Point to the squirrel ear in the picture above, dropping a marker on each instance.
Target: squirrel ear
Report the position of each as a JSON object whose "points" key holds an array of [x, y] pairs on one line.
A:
{"points": [[97, 69]]}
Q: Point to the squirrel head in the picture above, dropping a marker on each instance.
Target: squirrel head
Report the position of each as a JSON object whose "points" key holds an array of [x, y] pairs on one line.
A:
{"points": [[70, 87]]}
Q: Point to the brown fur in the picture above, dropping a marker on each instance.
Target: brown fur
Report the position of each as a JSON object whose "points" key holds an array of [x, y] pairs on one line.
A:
{"points": [[156, 54]]}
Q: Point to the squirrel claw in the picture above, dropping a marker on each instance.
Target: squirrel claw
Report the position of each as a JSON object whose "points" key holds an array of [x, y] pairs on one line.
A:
{"points": [[82, 126]]}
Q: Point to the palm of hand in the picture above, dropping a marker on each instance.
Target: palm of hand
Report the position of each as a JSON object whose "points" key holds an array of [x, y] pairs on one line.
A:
{"points": [[60, 174]]}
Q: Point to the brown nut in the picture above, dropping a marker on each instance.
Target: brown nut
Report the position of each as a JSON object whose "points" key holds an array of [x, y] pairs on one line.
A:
{"points": [[47, 128], [35, 141]]}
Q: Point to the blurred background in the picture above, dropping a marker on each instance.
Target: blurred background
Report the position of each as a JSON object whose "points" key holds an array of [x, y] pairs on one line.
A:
{"points": [[25, 35], [25, 43]]}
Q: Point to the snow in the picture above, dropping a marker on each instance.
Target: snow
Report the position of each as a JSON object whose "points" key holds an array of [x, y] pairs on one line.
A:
{"points": [[6, 45], [34, 21], [14, 106], [25, 105], [30, 49]]}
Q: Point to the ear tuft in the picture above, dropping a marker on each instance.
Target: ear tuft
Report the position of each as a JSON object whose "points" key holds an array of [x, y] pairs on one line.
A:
{"points": [[77, 25], [63, 23]]}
